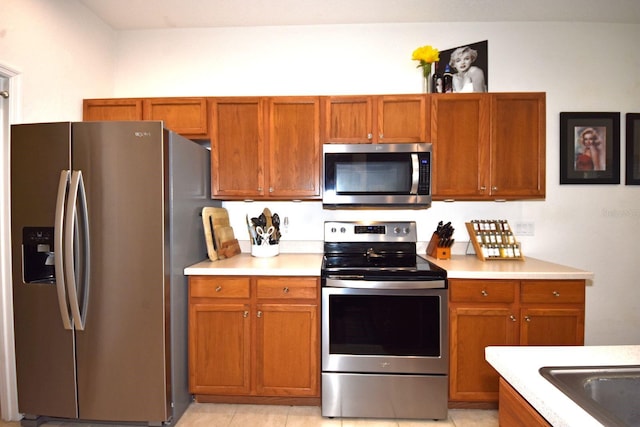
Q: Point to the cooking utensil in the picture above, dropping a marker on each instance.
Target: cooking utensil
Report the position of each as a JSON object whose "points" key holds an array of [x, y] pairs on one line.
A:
{"points": [[265, 234]]}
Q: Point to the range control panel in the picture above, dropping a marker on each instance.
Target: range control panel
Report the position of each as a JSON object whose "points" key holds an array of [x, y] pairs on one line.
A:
{"points": [[347, 231]]}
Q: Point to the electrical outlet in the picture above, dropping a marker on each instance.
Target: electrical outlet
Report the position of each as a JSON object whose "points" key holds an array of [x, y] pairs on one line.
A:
{"points": [[524, 228]]}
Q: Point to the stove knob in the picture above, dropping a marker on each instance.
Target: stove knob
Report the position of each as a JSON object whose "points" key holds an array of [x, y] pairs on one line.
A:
{"points": [[406, 230], [396, 230], [333, 229], [343, 230]]}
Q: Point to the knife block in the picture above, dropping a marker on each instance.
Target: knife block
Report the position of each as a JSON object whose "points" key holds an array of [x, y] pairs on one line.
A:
{"points": [[434, 250]]}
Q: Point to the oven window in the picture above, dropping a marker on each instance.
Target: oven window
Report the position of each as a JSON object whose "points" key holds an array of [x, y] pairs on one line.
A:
{"points": [[384, 325], [369, 173]]}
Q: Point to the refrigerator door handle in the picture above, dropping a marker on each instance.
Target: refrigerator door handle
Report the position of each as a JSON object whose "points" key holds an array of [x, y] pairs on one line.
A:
{"points": [[77, 228], [58, 249]]}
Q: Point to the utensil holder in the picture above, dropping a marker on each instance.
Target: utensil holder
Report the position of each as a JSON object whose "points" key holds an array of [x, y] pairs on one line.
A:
{"points": [[265, 251]]}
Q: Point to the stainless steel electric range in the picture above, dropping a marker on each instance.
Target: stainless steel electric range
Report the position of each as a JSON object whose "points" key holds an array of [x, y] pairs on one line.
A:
{"points": [[384, 324]]}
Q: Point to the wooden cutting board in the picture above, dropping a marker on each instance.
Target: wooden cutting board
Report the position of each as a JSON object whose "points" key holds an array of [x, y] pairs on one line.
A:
{"points": [[221, 242]]}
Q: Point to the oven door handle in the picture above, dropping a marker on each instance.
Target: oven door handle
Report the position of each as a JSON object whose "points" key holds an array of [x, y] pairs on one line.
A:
{"points": [[349, 282]]}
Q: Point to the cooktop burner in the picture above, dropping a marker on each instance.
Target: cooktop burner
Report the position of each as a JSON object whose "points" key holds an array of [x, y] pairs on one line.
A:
{"points": [[375, 249]]}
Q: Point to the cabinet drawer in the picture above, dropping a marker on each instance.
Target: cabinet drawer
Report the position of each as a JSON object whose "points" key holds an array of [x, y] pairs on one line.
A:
{"points": [[302, 287], [219, 287], [502, 291], [552, 291]]}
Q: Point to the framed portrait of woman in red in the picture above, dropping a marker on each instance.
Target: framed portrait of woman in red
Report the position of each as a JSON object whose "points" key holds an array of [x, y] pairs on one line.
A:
{"points": [[589, 148]]}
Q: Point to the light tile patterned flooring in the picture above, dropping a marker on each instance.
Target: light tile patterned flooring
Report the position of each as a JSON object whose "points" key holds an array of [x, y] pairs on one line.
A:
{"points": [[227, 415]]}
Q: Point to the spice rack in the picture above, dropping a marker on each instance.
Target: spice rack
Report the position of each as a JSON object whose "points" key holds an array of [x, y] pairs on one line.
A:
{"points": [[493, 240]]}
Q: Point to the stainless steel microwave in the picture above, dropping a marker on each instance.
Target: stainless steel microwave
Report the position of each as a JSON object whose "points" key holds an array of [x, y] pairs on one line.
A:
{"points": [[376, 175]]}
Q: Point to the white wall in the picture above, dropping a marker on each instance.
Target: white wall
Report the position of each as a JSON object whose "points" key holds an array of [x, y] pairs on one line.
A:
{"points": [[581, 67], [62, 52]]}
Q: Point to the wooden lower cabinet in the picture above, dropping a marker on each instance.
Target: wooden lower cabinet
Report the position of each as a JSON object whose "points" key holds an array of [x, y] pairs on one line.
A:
{"points": [[514, 411], [506, 312], [254, 339]]}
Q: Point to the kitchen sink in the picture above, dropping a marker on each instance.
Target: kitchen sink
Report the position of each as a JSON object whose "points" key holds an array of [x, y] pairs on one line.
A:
{"points": [[609, 393]]}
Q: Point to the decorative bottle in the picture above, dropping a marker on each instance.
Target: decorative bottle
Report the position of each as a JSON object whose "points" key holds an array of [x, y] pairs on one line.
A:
{"points": [[436, 83], [447, 80]]}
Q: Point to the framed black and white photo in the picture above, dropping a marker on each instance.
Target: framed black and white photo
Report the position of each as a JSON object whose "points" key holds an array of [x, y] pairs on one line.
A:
{"points": [[590, 148], [469, 65], [632, 176]]}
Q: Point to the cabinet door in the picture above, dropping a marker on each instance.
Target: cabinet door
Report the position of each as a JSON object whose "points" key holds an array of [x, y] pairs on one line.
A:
{"points": [[287, 350], [186, 116], [402, 118], [219, 349], [552, 326], [348, 119], [237, 148], [460, 137], [472, 328], [293, 147], [518, 145], [111, 109]]}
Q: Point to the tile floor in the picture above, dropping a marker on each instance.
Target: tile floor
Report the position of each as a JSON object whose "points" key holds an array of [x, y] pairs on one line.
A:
{"points": [[226, 415]]}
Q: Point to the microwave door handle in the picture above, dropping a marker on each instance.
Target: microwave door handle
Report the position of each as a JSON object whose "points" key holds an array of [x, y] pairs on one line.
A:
{"points": [[58, 249], [415, 173]]}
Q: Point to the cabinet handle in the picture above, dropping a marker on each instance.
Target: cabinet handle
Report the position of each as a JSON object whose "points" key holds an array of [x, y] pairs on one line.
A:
{"points": [[381, 136], [259, 313], [270, 189], [218, 288], [494, 188], [369, 136], [260, 189], [556, 293], [483, 188], [527, 319], [512, 318], [245, 314], [484, 293], [285, 290]]}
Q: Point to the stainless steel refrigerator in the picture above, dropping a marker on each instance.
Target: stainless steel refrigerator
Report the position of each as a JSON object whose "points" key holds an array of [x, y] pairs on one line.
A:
{"points": [[104, 218]]}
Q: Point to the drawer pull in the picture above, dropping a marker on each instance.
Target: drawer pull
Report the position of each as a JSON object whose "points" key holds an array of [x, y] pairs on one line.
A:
{"points": [[259, 313], [556, 293], [527, 319], [218, 288], [245, 314], [484, 293], [512, 318], [285, 290]]}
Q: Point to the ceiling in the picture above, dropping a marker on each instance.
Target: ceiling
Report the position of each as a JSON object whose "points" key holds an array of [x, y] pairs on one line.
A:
{"points": [[158, 14]]}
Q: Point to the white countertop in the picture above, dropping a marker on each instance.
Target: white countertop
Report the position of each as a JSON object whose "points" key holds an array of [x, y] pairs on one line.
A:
{"points": [[470, 267], [458, 267], [519, 367], [287, 264]]}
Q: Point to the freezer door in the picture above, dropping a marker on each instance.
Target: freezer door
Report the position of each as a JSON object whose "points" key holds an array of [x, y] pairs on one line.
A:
{"points": [[121, 353], [44, 349]]}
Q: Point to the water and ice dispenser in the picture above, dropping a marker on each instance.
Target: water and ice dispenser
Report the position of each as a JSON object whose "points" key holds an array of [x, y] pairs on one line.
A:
{"points": [[38, 258]]}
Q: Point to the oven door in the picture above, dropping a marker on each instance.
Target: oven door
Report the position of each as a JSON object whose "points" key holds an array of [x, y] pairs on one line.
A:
{"points": [[384, 330]]}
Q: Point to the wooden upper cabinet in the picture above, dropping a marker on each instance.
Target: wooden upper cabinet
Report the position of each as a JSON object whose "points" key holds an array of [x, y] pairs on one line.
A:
{"points": [[375, 119], [111, 109], [518, 133], [237, 147], [488, 146], [265, 148], [348, 119], [186, 116], [293, 147], [403, 118], [460, 138]]}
